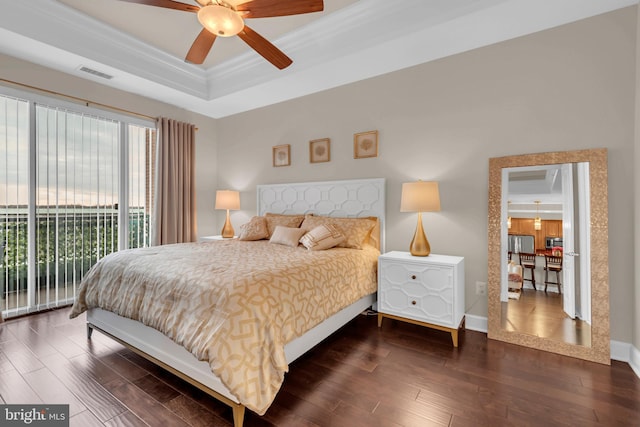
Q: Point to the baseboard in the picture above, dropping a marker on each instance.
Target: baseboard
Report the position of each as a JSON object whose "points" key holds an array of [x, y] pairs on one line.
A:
{"points": [[476, 323], [625, 352], [634, 360], [620, 351]]}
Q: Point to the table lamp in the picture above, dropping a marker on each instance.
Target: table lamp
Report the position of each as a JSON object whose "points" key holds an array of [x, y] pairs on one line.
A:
{"points": [[420, 196], [229, 200]]}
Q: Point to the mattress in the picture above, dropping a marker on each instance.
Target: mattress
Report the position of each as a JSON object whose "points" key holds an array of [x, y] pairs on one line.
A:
{"points": [[234, 304]]}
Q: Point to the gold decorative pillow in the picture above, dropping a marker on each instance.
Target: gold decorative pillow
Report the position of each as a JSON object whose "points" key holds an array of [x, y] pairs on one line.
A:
{"points": [[355, 230], [323, 237], [256, 229], [274, 220], [288, 236]]}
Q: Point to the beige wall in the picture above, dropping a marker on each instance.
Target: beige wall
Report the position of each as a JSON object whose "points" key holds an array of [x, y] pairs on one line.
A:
{"points": [[567, 88], [206, 148]]}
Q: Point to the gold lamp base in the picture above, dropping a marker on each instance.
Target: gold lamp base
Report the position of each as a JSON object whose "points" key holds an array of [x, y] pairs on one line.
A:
{"points": [[419, 243], [227, 230]]}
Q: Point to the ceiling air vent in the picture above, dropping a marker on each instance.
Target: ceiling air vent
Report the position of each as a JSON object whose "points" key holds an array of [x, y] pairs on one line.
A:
{"points": [[96, 73]]}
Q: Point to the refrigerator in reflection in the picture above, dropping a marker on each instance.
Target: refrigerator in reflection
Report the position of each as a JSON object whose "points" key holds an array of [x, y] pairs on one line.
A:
{"points": [[521, 243]]}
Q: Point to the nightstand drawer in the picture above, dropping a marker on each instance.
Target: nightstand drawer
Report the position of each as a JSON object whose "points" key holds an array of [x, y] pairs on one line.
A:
{"points": [[420, 292]]}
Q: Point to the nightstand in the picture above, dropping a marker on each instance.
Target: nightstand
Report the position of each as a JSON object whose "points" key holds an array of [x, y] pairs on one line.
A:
{"points": [[217, 237], [426, 291]]}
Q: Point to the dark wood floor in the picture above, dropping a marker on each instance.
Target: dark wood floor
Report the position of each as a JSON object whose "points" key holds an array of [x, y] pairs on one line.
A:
{"points": [[399, 375]]}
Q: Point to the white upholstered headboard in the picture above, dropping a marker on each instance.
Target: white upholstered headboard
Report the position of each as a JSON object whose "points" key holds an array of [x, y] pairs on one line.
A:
{"points": [[349, 198]]}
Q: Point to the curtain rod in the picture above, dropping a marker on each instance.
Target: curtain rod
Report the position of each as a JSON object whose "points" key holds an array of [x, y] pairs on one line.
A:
{"points": [[86, 102]]}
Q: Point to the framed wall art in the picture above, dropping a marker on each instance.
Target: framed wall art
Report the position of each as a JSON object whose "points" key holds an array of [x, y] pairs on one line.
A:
{"points": [[281, 155], [365, 144], [320, 150]]}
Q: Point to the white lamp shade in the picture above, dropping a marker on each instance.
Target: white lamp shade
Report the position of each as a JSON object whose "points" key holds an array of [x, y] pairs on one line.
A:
{"points": [[420, 196], [227, 199], [220, 20]]}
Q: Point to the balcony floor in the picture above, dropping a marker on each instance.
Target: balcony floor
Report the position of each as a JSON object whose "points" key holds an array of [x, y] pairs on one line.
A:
{"points": [[45, 298]]}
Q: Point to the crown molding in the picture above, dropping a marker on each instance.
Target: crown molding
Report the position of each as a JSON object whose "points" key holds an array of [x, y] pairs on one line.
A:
{"points": [[57, 25]]}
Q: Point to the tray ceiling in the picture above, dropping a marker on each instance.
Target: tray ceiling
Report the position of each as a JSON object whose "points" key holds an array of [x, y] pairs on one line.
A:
{"points": [[143, 47]]}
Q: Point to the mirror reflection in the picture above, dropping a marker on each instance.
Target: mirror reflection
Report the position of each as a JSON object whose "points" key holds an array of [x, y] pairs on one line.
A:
{"points": [[545, 286], [572, 316]]}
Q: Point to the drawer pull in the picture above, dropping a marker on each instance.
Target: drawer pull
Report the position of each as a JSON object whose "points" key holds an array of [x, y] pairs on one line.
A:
{"points": [[413, 302], [413, 277]]}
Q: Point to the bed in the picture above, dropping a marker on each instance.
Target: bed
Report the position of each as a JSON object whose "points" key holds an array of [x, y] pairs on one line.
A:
{"points": [[236, 384]]}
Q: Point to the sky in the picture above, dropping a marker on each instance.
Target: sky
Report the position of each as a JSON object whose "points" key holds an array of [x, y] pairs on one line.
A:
{"points": [[77, 157]]}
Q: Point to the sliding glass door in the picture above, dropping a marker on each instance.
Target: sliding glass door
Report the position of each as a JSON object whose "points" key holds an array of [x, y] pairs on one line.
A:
{"points": [[77, 186], [14, 202]]}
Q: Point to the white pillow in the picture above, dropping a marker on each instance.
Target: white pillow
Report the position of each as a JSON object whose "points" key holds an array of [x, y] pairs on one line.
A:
{"points": [[287, 236], [323, 237]]}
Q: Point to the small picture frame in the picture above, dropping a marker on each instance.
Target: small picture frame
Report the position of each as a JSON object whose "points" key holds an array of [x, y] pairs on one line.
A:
{"points": [[320, 150], [365, 144], [281, 155]]}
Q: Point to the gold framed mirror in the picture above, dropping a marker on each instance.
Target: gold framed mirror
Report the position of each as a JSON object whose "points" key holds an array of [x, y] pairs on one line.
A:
{"points": [[596, 347]]}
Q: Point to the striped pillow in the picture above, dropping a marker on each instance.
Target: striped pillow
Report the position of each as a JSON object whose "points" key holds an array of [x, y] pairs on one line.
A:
{"points": [[322, 237], [355, 230]]}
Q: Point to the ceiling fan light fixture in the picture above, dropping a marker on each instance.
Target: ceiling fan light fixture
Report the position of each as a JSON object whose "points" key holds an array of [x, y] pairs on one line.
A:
{"points": [[220, 20]]}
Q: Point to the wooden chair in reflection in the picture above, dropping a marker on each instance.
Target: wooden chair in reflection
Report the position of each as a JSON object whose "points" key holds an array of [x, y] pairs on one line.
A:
{"points": [[554, 264], [528, 262]]}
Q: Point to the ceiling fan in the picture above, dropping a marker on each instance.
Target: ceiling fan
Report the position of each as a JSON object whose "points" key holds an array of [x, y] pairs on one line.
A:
{"points": [[222, 19]]}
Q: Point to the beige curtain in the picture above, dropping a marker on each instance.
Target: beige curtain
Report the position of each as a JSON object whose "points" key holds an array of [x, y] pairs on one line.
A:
{"points": [[175, 206]]}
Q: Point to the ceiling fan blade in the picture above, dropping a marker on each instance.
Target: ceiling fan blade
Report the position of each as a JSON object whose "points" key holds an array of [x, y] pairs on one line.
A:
{"points": [[271, 8], [200, 47], [167, 4], [265, 48]]}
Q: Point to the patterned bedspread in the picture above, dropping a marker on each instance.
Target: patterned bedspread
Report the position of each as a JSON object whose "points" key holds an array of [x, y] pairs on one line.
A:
{"points": [[233, 303]]}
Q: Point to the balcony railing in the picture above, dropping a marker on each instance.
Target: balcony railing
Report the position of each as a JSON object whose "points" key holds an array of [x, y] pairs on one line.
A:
{"points": [[68, 243]]}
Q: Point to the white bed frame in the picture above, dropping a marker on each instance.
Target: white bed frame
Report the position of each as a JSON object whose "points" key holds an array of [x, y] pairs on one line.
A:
{"points": [[351, 198]]}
